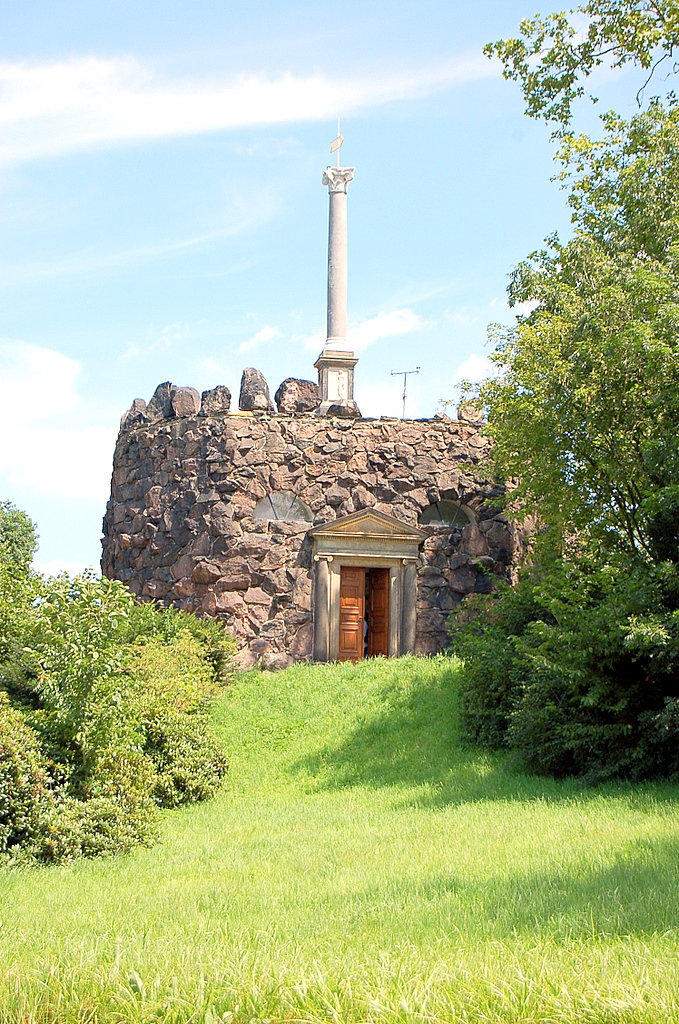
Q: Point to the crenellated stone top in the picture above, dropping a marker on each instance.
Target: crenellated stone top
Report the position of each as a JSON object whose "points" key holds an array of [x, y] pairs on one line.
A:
{"points": [[294, 397]]}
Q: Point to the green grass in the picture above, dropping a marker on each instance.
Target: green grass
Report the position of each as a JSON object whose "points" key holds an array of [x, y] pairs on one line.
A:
{"points": [[361, 866]]}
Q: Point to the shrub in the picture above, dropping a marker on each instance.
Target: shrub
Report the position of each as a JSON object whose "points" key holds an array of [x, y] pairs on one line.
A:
{"points": [[104, 714], [485, 632], [73, 828], [25, 797], [19, 591], [175, 685], [586, 683]]}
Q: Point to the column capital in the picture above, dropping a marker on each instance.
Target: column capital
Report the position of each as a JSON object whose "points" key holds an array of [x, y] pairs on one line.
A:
{"points": [[337, 178]]}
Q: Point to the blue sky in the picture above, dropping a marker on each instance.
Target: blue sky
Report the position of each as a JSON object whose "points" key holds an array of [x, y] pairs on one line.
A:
{"points": [[161, 167]]}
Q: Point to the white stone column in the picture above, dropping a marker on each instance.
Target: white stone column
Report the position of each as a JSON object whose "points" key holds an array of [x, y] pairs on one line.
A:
{"points": [[337, 179], [336, 362]]}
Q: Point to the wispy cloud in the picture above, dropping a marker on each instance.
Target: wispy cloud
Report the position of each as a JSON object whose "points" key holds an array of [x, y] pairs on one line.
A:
{"points": [[161, 342], [88, 102], [476, 367], [518, 309], [66, 443], [245, 212], [260, 338], [384, 325], [312, 342], [38, 382], [375, 328]]}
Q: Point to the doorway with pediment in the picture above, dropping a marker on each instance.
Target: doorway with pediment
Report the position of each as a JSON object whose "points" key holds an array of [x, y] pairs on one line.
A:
{"points": [[365, 586]]}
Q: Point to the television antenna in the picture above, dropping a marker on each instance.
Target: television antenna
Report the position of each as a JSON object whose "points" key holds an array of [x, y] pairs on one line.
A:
{"points": [[405, 374]]}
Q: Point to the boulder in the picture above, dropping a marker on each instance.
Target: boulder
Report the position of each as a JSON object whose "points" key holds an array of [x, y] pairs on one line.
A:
{"points": [[295, 395], [185, 401], [160, 406], [215, 401], [135, 415], [254, 392], [344, 409]]}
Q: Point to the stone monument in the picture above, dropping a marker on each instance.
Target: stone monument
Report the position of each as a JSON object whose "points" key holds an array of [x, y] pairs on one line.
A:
{"points": [[310, 531], [336, 362]]}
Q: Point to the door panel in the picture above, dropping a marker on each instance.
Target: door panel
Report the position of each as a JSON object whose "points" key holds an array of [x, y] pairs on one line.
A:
{"points": [[378, 612], [352, 613]]}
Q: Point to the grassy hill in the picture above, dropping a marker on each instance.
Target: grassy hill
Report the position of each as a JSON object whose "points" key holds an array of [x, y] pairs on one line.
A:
{"points": [[361, 866]]}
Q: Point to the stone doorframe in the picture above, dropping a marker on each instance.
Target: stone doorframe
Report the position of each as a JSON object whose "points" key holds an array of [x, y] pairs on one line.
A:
{"points": [[369, 539]]}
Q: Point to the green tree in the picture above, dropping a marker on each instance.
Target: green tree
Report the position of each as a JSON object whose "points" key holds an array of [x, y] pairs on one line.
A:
{"points": [[584, 410], [18, 536], [578, 669], [554, 53]]}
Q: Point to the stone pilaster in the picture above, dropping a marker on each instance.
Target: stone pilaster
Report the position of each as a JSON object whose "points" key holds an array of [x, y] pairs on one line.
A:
{"points": [[409, 606], [321, 608]]}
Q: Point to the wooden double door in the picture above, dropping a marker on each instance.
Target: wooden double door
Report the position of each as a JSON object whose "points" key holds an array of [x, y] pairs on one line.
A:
{"points": [[364, 613]]}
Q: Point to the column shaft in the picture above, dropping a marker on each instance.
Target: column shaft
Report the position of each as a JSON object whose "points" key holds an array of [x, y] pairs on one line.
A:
{"points": [[321, 609], [337, 266]]}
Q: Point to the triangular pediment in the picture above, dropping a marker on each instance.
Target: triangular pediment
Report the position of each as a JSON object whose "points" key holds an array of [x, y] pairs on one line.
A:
{"points": [[368, 523]]}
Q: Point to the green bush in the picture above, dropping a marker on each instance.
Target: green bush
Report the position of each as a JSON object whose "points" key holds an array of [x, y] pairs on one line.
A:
{"points": [[85, 694], [104, 714], [485, 633], [586, 683], [25, 797], [175, 684]]}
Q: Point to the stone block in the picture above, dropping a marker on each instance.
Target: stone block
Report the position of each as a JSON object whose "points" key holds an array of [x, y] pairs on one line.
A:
{"points": [[236, 575], [182, 567], [230, 602], [473, 541], [274, 629], [297, 396], [206, 573], [254, 392], [362, 498], [301, 644], [337, 495], [216, 401], [463, 581], [184, 588], [160, 406], [135, 415], [185, 401]]}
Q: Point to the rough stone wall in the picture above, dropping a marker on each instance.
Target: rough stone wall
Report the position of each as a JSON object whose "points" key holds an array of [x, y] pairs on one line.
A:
{"points": [[179, 526]]}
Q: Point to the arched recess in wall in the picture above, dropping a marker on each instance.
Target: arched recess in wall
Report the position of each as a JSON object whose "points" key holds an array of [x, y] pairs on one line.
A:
{"points": [[452, 514], [283, 505]]}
